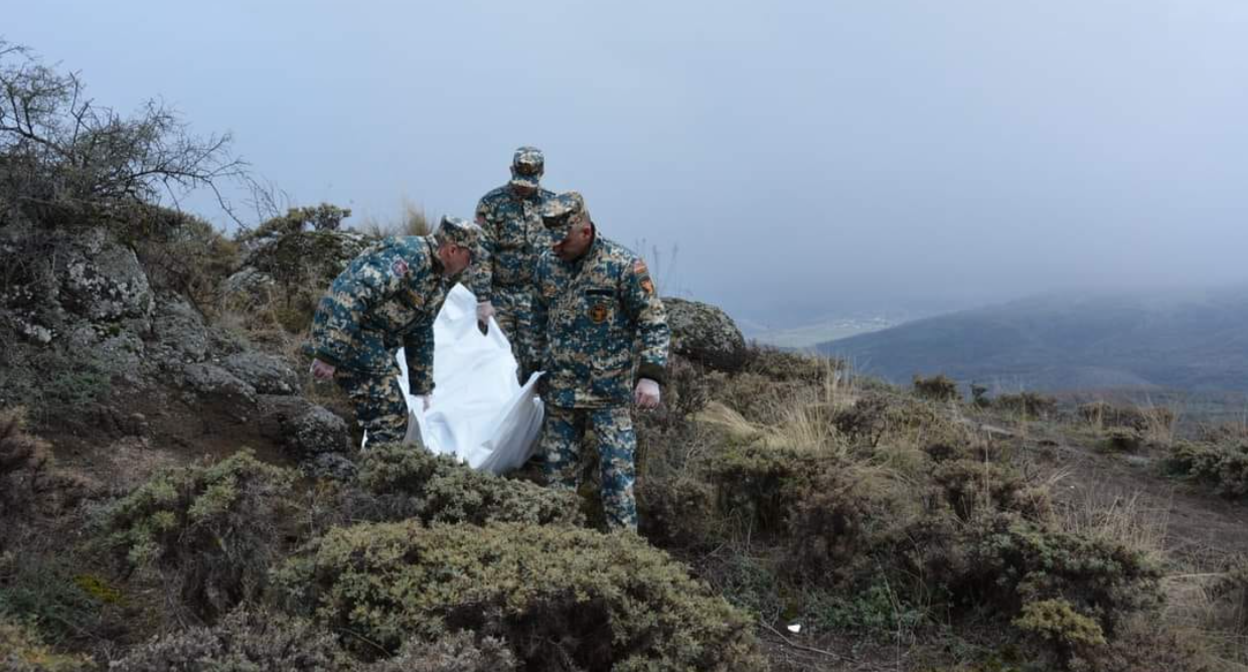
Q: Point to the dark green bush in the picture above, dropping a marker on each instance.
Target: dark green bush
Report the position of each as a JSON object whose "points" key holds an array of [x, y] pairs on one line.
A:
{"points": [[874, 609], [400, 482], [557, 595], [1013, 562], [762, 483], [676, 512], [837, 519], [936, 388], [211, 529], [1224, 467]]}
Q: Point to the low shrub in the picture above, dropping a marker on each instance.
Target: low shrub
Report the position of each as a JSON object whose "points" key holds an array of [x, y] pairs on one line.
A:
{"points": [[677, 512], [1230, 594], [874, 609], [398, 482], [187, 255], [1142, 419], [1058, 624], [881, 417], [786, 366], [842, 514], [972, 488], [1013, 562], [211, 529], [1222, 467], [557, 595], [1124, 440], [43, 593], [242, 641], [1031, 405], [460, 652], [24, 466], [1224, 433], [21, 650], [936, 388], [31, 485], [761, 483]]}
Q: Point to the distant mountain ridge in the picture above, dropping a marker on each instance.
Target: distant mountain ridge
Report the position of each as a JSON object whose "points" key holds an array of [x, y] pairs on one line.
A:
{"points": [[1176, 339]]}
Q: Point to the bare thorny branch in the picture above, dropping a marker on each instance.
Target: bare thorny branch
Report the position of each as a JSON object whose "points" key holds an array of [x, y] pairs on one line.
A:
{"points": [[57, 147]]}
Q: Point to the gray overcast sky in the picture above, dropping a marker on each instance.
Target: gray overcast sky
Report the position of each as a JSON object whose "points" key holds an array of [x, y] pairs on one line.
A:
{"points": [[800, 157]]}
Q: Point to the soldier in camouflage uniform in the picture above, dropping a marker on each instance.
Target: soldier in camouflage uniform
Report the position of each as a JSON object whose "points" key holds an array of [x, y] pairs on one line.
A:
{"points": [[387, 298], [514, 238], [593, 299]]}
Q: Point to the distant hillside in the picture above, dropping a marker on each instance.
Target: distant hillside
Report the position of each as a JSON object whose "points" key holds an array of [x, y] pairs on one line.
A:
{"points": [[1186, 340]]}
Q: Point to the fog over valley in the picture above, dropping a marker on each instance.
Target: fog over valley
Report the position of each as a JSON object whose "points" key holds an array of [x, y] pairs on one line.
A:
{"points": [[792, 162]]}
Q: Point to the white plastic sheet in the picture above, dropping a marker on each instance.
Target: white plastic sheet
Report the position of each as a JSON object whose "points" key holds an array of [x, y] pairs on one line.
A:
{"points": [[478, 411]]}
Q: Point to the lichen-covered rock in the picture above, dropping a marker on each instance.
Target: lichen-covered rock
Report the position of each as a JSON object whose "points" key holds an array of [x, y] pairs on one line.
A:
{"points": [[266, 373], [180, 333], [303, 428], [248, 286], [704, 333], [214, 383], [103, 280], [317, 430]]}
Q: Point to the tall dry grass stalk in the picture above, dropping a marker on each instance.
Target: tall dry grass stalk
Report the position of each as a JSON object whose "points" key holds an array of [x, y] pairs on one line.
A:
{"points": [[412, 221], [1127, 520], [1216, 621], [1159, 421], [1196, 603]]}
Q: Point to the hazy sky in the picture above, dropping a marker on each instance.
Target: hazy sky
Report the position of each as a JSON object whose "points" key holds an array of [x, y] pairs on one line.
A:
{"points": [[798, 157]]}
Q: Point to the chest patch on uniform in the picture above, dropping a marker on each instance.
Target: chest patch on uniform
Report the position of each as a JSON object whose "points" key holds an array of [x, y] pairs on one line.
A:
{"points": [[398, 268], [598, 313], [647, 285]]}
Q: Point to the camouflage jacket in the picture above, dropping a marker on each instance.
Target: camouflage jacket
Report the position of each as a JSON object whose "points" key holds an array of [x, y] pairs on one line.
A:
{"points": [[386, 298], [514, 238], [587, 314]]}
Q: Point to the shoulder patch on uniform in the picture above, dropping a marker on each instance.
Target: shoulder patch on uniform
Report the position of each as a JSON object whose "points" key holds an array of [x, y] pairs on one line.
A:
{"points": [[398, 268], [639, 267], [647, 285]]}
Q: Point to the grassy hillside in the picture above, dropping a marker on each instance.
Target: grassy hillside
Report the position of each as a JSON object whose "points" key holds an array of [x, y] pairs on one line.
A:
{"points": [[1195, 341]]}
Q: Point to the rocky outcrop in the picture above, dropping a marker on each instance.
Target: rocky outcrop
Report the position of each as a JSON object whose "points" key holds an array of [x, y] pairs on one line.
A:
{"points": [[703, 333], [303, 428], [266, 373], [104, 281], [81, 277]]}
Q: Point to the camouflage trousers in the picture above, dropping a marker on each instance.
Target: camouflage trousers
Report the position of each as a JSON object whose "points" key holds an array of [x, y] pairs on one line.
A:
{"points": [[563, 433], [378, 401], [513, 311]]}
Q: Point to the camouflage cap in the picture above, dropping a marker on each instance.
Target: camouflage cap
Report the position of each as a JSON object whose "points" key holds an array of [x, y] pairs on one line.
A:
{"points": [[461, 232], [527, 166], [562, 211]]}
